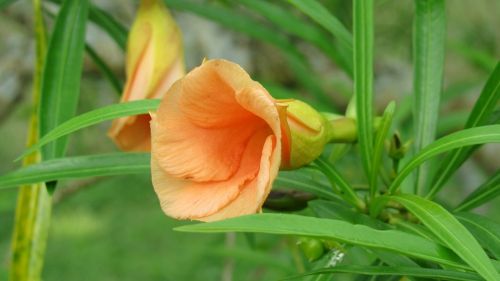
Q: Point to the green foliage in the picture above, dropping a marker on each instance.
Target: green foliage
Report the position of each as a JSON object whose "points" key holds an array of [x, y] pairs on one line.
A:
{"points": [[62, 72], [428, 56], [78, 167], [398, 271], [463, 138], [356, 205], [450, 232], [481, 114], [392, 240], [489, 190], [363, 79], [94, 117]]}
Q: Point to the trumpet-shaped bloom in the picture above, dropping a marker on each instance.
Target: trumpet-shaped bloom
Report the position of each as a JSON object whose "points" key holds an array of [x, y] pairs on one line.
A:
{"points": [[216, 144], [154, 62]]}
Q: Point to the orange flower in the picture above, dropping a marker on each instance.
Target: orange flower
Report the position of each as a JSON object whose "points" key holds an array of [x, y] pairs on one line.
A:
{"points": [[154, 63], [216, 144]]}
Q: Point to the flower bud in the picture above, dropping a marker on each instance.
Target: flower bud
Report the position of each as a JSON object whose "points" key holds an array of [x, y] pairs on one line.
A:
{"points": [[154, 62], [397, 149], [306, 133]]}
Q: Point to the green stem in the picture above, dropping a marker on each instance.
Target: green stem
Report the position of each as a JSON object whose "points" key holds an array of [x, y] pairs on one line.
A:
{"points": [[344, 129], [34, 202]]}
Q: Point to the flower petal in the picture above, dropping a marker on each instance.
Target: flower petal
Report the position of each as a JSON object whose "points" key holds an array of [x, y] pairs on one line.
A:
{"points": [[187, 199], [201, 128], [254, 193]]}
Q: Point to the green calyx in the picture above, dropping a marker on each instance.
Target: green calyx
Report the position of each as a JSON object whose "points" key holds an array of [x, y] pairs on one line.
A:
{"points": [[308, 132]]}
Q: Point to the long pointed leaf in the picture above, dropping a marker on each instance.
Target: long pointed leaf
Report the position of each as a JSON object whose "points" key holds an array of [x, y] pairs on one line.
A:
{"points": [[105, 70], [428, 55], [480, 115], [396, 270], [341, 52], [381, 135], [451, 232], [61, 75], [323, 17], [486, 192], [78, 167], [392, 240], [468, 137], [93, 117], [485, 230], [363, 78], [107, 23]]}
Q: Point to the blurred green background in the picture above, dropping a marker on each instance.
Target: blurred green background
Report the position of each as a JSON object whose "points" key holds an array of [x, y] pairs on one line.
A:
{"points": [[113, 228]]}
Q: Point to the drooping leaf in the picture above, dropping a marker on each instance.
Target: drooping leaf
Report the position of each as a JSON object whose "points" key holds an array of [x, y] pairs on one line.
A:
{"points": [[480, 115], [396, 270], [489, 190], [484, 229], [78, 167], [428, 56], [391, 240], [467, 137], [95, 116], [363, 79], [451, 232]]}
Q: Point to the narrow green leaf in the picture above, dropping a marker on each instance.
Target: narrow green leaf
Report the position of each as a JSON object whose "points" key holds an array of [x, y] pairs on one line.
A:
{"points": [[340, 53], [428, 56], [487, 191], [99, 62], [323, 17], [94, 117], [391, 240], [395, 270], [363, 78], [346, 190], [241, 23], [62, 71], [381, 135], [485, 230], [107, 23], [481, 114], [467, 137], [105, 70], [78, 167], [451, 232]]}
